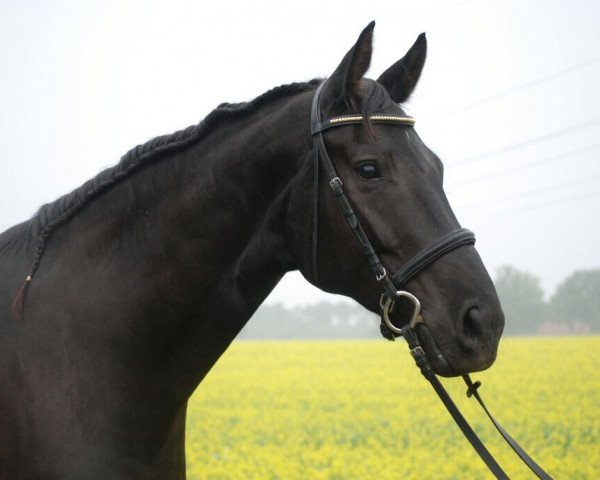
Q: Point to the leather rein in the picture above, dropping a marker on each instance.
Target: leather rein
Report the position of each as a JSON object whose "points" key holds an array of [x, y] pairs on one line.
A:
{"points": [[393, 285]]}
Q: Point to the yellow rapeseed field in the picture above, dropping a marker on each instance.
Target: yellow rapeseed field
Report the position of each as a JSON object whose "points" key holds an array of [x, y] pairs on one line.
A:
{"points": [[361, 410]]}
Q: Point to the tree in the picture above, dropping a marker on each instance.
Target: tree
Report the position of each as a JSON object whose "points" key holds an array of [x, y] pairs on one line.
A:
{"points": [[522, 299], [577, 300]]}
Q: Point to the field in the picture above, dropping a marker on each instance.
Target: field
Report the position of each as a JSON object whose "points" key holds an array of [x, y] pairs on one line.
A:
{"points": [[361, 410]]}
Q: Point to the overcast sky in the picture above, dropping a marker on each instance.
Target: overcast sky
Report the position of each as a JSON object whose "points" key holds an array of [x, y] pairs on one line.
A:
{"points": [[508, 99]]}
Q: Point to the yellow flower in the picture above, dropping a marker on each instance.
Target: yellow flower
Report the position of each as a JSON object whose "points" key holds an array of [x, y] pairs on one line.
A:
{"points": [[361, 410]]}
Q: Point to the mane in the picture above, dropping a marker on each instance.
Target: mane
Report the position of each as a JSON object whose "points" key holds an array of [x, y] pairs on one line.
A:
{"points": [[53, 214], [59, 211], [374, 99]]}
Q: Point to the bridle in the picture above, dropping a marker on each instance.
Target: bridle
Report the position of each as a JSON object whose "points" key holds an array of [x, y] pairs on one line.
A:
{"points": [[393, 286]]}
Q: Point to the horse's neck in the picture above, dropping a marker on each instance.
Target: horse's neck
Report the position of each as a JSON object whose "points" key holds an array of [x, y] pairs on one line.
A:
{"points": [[139, 293], [194, 242]]}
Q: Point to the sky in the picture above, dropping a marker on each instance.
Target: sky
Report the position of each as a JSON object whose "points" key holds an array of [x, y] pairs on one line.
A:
{"points": [[508, 99]]}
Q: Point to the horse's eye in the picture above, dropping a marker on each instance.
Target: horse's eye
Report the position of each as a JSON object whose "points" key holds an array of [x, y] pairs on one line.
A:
{"points": [[368, 171]]}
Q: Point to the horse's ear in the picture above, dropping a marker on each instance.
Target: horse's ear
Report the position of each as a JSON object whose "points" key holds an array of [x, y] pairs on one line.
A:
{"points": [[401, 78], [345, 80]]}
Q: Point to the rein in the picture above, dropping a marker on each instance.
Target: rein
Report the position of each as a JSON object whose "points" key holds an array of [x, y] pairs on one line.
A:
{"points": [[392, 286]]}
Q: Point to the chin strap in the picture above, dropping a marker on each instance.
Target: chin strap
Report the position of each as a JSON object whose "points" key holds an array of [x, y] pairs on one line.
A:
{"points": [[422, 362]]}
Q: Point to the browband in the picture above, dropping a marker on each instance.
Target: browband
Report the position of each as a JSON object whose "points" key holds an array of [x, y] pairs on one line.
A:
{"points": [[354, 119]]}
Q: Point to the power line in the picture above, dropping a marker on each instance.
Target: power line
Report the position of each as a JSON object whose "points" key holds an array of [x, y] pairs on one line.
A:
{"points": [[530, 141], [525, 86], [525, 208], [545, 160], [536, 191]]}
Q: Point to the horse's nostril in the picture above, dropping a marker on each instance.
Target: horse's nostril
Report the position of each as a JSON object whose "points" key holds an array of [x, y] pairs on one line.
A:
{"points": [[472, 327]]}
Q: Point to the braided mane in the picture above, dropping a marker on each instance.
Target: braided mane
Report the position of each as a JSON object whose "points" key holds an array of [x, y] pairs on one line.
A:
{"points": [[52, 215]]}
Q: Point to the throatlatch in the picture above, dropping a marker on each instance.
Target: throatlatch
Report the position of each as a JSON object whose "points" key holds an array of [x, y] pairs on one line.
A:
{"points": [[393, 286]]}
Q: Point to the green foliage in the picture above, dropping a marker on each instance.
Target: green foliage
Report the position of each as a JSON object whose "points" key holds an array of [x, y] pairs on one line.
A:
{"points": [[574, 308], [522, 300], [577, 300]]}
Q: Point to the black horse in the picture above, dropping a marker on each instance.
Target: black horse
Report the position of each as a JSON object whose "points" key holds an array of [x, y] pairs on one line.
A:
{"points": [[139, 280]]}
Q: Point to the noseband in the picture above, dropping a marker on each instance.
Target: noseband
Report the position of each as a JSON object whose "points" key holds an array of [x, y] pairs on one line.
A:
{"points": [[393, 286]]}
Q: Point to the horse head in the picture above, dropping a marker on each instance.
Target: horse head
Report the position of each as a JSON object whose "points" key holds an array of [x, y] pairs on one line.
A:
{"points": [[394, 183]]}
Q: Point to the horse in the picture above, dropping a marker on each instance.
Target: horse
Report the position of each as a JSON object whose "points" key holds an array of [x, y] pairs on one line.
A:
{"points": [[118, 298]]}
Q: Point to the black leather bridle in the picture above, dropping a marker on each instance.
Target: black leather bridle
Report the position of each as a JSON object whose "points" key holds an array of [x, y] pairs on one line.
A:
{"points": [[392, 287]]}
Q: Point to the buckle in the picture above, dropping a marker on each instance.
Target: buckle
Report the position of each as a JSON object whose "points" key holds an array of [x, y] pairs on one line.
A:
{"points": [[381, 276], [335, 182]]}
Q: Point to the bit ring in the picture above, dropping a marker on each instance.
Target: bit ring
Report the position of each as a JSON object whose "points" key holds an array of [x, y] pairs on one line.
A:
{"points": [[387, 306]]}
